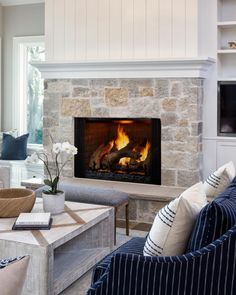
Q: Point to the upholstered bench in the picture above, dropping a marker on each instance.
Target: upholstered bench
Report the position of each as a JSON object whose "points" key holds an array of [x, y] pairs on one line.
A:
{"points": [[95, 195]]}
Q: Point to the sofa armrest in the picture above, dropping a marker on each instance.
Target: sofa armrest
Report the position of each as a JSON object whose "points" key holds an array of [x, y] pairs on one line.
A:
{"points": [[5, 177], [210, 270]]}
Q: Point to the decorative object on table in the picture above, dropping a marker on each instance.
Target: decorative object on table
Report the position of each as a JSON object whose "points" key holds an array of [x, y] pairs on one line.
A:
{"points": [[33, 221], [14, 201], [232, 44], [54, 162], [14, 148], [12, 275]]}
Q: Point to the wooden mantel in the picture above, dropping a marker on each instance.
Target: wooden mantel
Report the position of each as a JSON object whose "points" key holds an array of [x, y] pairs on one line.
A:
{"points": [[135, 68]]}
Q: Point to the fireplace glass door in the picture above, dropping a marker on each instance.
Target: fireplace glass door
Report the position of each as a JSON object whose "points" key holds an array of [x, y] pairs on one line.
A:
{"points": [[118, 149]]}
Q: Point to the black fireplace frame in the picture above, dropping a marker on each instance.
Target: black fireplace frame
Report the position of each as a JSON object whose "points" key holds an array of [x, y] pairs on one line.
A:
{"points": [[79, 140]]}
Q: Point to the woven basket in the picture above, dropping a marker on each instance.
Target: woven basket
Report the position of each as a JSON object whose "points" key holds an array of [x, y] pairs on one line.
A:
{"points": [[14, 201]]}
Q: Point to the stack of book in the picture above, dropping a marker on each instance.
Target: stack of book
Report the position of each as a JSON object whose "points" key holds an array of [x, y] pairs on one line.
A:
{"points": [[33, 221]]}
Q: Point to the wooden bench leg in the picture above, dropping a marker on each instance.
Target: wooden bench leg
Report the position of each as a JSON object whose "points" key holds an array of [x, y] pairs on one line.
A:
{"points": [[127, 218]]}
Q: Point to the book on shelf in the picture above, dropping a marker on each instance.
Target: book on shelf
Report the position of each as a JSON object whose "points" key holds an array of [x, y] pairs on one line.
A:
{"points": [[33, 221]]}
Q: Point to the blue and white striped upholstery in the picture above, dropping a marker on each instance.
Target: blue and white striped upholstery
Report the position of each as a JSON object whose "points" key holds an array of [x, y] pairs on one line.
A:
{"points": [[135, 246], [214, 219], [208, 271]]}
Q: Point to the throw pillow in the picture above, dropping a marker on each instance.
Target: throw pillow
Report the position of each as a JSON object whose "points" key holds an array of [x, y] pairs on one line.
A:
{"points": [[12, 275], [214, 219], [173, 224], [11, 132], [14, 148], [219, 180]]}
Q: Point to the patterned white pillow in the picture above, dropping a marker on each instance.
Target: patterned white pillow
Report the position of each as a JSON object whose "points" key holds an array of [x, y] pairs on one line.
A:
{"points": [[173, 223], [13, 132], [219, 180]]}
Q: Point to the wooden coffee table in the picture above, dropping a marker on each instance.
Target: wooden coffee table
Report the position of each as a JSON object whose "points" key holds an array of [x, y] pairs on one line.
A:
{"points": [[78, 239]]}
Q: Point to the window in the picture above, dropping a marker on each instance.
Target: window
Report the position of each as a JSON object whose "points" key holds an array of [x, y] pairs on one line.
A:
{"points": [[28, 87]]}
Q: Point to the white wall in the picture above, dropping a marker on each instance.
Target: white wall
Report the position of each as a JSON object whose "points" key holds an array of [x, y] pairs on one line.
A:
{"points": [[0, 19], [22, 20], [0, 66], [120, 29]]}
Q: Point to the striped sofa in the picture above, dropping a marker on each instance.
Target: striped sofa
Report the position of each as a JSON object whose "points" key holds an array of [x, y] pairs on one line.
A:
{"points": [[210, 271]]}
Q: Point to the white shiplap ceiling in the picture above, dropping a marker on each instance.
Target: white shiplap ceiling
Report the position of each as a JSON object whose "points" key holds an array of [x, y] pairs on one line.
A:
{"points": [[19, 2]]}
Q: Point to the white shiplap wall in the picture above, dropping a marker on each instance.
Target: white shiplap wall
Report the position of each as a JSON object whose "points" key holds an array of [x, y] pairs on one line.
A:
{"points": [[121, 29]]}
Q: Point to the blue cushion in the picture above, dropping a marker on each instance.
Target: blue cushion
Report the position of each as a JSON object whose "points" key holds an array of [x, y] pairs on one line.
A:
{"points": [[14, 148], [214, 219]]}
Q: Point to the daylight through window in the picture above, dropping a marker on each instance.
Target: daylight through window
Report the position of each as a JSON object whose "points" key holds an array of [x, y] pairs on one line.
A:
{"points": [[28, 87]]}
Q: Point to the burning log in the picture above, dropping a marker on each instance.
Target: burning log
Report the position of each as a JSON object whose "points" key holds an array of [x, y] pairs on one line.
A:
{"points": [[147, 163], [122, 155], [100, 152], [135, 165], [114, 157]]}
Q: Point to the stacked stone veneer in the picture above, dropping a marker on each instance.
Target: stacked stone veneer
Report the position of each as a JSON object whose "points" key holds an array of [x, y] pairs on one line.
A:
{"points": [[177, 102]]}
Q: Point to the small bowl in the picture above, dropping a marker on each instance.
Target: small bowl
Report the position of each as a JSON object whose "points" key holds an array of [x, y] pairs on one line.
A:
{"points": [[232, 44], [14, 201]]}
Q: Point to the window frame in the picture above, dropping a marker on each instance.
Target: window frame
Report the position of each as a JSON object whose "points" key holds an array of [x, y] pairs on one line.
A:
{"points": [[19, 83]]}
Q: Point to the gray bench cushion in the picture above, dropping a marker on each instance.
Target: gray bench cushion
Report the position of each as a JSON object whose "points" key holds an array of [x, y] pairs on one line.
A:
{"points": [[90, 194]]}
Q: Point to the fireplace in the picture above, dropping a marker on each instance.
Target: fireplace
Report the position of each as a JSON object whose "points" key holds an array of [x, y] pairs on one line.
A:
{"points": [[118, 149]]}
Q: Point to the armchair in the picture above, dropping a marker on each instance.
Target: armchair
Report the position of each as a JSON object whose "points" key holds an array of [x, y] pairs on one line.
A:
{"points": [[4, 177], [210, 271]]}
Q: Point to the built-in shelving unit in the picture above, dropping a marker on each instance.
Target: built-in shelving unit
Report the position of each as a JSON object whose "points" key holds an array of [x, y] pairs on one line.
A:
{"points": [[226, 67], [226, 51], [226, 27], [227, 24]]}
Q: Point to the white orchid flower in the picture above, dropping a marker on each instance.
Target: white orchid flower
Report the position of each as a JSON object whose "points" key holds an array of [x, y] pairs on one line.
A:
{"points": [[57, 147], [66, 147], [74, 150], [69, 148]]}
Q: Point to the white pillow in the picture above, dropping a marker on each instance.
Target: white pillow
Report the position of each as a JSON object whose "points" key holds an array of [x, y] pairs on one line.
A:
{"points": [[219, 180], [173, 224]]}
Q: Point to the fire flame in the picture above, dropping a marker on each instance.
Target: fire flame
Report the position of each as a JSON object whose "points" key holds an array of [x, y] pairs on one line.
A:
{"points": [[144, 152], [122, 138], [122, 141]]}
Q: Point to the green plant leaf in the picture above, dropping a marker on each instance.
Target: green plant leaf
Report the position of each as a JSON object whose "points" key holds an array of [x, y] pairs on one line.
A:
{"points": [[55, 181], [48, 182]]}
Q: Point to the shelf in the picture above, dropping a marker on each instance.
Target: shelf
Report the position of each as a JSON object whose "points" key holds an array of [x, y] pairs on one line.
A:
{"points": [[191, 67], [227, 24], [72, 264], [228, 79], [226, 51]]}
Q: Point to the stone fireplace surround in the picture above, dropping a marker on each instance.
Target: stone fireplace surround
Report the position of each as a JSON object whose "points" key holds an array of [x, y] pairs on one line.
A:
{"points": [[176, 101]]}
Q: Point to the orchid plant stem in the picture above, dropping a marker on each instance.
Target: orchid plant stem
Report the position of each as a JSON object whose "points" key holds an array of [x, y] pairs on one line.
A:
{"points": [[55, 155], [45, 162]]}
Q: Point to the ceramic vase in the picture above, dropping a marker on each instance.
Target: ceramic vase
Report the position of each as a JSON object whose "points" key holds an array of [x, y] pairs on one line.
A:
{"points": [[54, 203]]}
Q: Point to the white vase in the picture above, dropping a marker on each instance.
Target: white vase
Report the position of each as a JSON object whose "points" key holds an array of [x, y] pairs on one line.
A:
{"points": [[54, 203]]}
